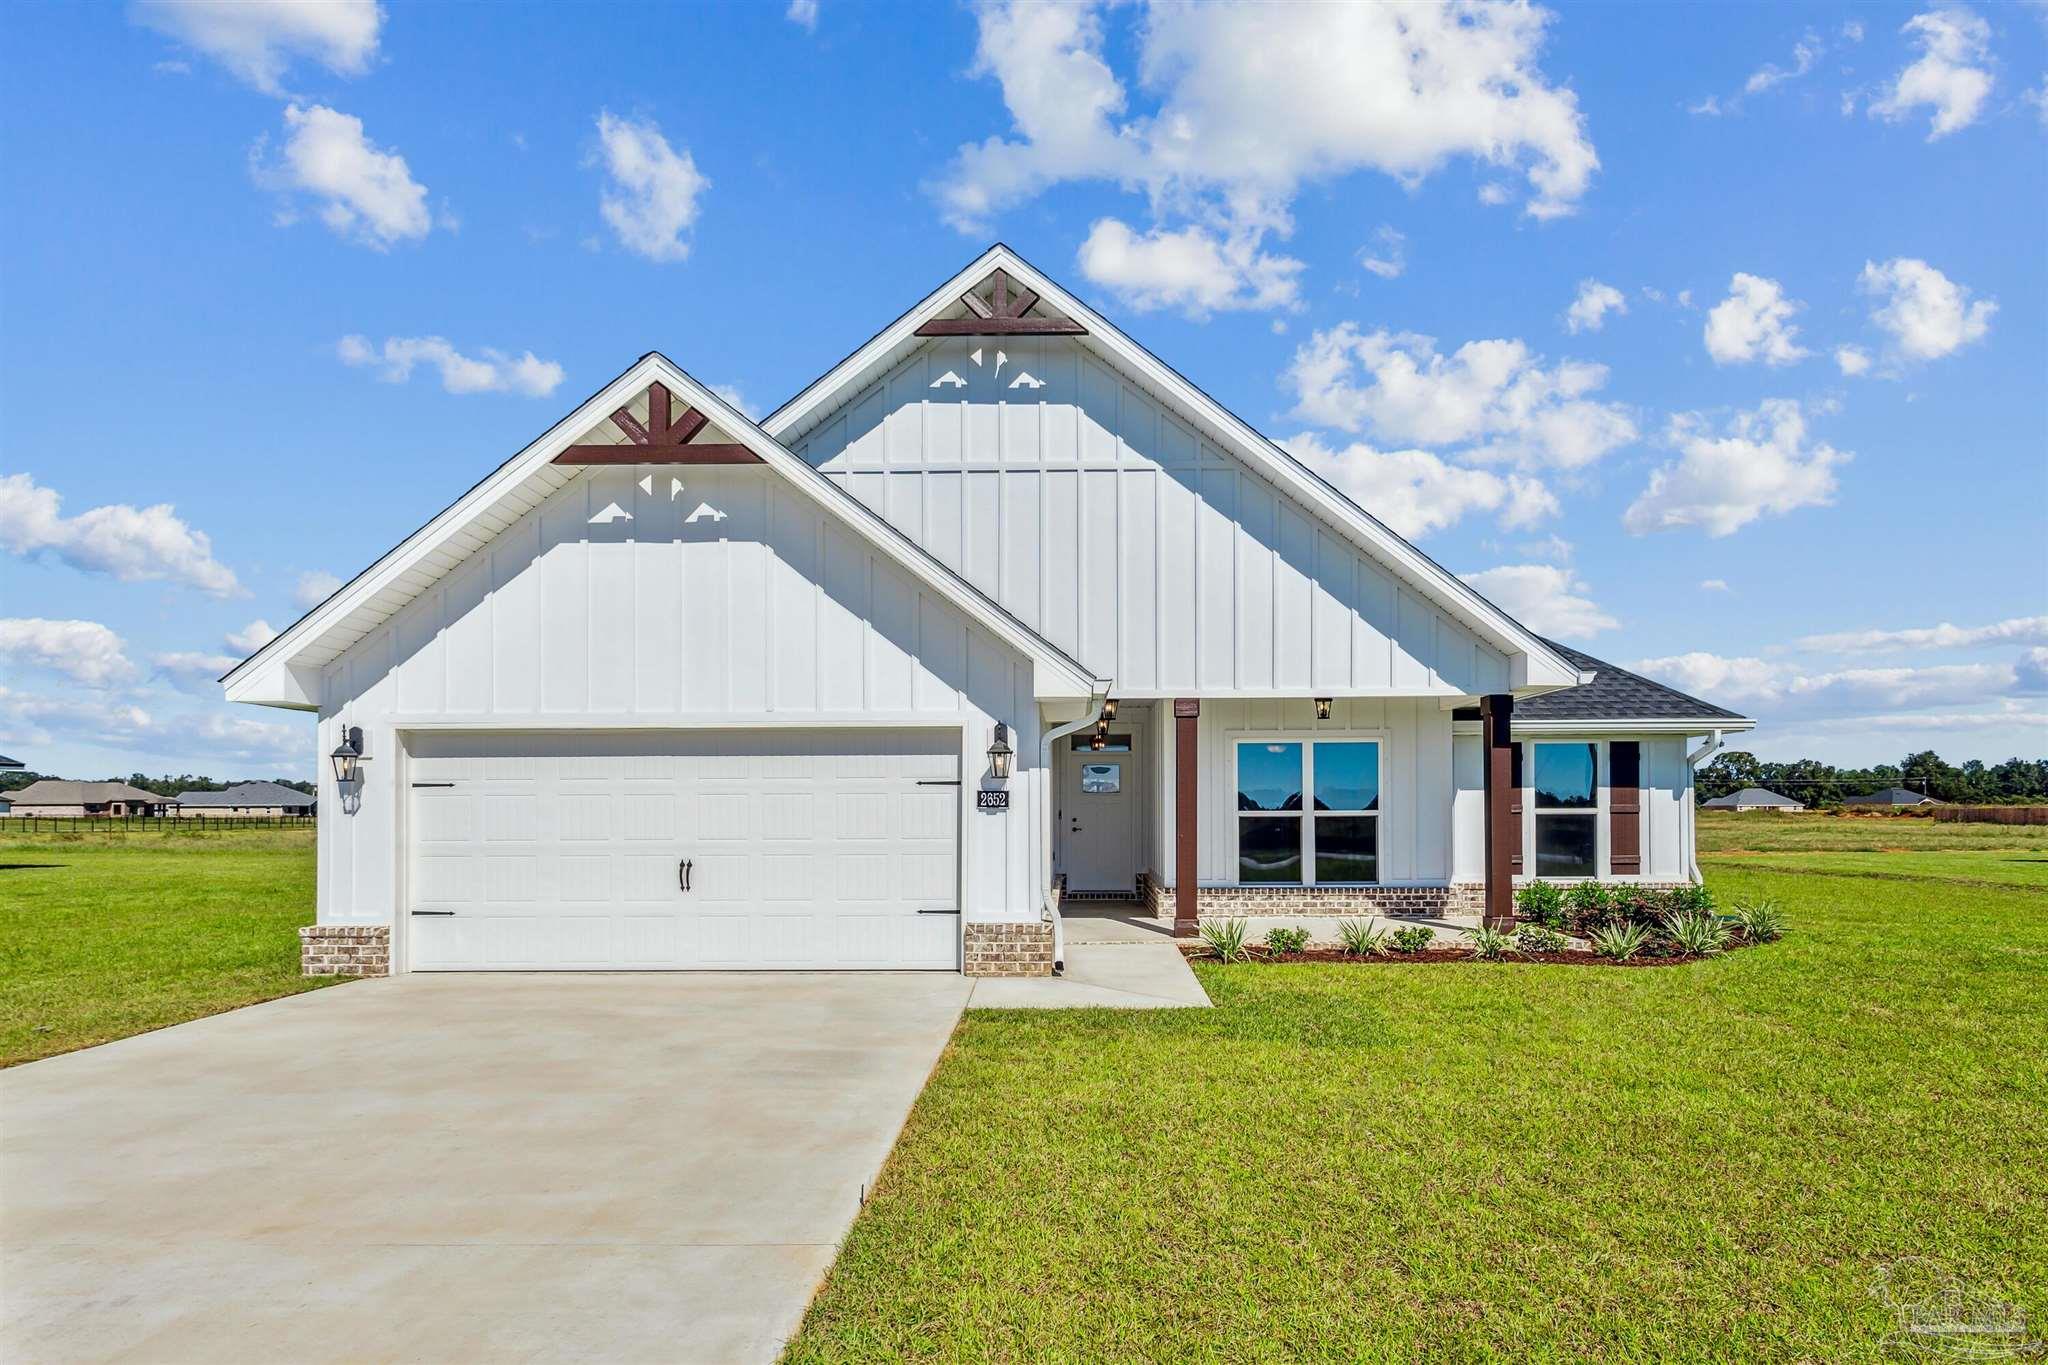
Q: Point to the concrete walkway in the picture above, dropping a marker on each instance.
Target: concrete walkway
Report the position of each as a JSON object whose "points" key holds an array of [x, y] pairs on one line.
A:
{"points": [[1105, 975], [650, 1167]]}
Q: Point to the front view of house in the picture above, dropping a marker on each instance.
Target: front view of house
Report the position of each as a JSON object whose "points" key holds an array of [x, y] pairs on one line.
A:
{"points": [[999, 610]]}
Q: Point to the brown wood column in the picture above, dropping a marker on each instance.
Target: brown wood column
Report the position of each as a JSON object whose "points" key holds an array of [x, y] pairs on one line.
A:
{"points": [[1503, 830], [1186, 819]]}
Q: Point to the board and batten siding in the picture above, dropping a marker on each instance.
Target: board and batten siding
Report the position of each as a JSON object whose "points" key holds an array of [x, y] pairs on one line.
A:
{"points": [[1666, 788], [676, 597], [1089, 511]]}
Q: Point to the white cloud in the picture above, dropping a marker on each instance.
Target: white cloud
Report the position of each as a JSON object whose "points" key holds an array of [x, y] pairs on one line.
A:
{"points": [[1787, 691], [93, 717], [314, 587], [1927, 314], [241, 739], [1763, 464], [1852, 360], [1494, 397], [1544, 597], [2024, 630], [1713, 585], [1228, 140], [1589, 310], [731, 394], [650, 199], [83, 651], [2038, 97], [251, 637], [494, 372], [804, 14], [132, 544], [258, 39], [1753, 323], [1951, 76], [193, 670], [1805, 53], [1852, 31], [1416, 493], [1386, 255], [365, 193], [1193, 270]]}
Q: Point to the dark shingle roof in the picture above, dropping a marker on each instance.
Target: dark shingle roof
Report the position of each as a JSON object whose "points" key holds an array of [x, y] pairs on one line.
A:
{"points": [[248, 794], [1892, 796], [6, 762], [1616, 694], [1750, 796]]}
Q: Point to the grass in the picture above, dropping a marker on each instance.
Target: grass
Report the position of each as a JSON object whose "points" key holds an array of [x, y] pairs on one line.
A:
{"points": [[1722, 831], [105, 935], [1511, 1162]]}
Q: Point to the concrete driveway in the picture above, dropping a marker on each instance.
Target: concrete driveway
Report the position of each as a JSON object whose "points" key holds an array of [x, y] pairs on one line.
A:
{"points": [[459, 1168]]}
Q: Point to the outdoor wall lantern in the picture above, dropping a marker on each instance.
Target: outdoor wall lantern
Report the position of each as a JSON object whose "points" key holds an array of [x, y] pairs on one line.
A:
{"points": [[1000, 753], [1322, 708], [348, 755], [1109, 709]]}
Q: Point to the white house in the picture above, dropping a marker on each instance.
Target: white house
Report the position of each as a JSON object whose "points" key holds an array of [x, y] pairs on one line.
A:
{"points": [[671, 689], [1753, 798]]}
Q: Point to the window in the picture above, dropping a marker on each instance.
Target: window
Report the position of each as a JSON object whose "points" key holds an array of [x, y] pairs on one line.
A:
{"points": [[1567, 798], [1333, 837], [1111, 744], [1101, 779]]}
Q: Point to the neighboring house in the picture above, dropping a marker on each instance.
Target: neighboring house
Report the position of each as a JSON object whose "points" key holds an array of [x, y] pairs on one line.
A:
{"points": [[1893, 798], [1753, 798], [6, 762], [246, 799], [673, 689], [53, 797], [7, 798]]}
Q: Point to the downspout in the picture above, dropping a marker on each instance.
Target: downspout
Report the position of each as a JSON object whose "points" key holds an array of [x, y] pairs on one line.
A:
{"points": [[1692, 840], [1098, 693]]}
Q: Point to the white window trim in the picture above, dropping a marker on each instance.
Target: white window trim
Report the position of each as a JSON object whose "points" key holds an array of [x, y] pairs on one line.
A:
{"points": [[1601, 866], [1308, 739]]}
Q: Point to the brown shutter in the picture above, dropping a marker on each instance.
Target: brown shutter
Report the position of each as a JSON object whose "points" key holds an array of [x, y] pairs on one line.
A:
{"points": [[1625, 808], [1515, 809]]}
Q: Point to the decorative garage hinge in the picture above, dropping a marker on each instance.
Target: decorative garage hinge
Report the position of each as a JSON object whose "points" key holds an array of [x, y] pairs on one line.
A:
{"points": [[1000, 314], [659, 440]]}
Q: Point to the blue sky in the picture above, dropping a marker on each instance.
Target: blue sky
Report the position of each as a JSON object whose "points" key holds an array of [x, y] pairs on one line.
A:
{"points": [[1564, 293]]}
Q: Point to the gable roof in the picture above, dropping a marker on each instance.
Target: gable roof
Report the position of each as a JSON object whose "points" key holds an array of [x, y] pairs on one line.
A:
{"points": [[1750, 796], [285, 672], [1617, 699], [248, 794], [1537, 663], [57, 791], [6, 762], [1892, 796]]}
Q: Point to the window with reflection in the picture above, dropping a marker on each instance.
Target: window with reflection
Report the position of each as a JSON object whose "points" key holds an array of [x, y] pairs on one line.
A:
{"points": [[1308, 811], [1565, 800]]}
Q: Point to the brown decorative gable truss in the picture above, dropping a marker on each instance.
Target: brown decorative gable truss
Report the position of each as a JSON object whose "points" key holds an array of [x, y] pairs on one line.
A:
{"points": [[1000, 315], [659, 440]]}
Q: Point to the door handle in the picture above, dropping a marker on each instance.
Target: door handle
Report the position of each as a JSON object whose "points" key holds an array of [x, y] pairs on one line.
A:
{"points": [[684, 867]]}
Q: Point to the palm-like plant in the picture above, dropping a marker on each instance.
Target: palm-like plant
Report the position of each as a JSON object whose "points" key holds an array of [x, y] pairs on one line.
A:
{"points": [[1490, 944], [1225, 938], [1362, 938], [1760, 921], [1699, 933], [1620, 940]]}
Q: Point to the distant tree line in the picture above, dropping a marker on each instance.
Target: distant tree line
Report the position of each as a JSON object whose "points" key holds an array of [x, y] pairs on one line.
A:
{"points": [[1975, 783], [162, 786]]}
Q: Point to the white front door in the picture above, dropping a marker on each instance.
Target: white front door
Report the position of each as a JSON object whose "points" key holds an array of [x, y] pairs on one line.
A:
{"points": [[1099, 814], [716, 849]]}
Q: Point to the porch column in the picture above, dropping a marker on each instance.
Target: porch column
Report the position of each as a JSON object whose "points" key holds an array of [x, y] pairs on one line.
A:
{"points": [[1186, 711], [1503, 831]]}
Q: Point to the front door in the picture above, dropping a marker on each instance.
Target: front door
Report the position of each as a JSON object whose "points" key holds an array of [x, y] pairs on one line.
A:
{"points": [[1099, 815]]}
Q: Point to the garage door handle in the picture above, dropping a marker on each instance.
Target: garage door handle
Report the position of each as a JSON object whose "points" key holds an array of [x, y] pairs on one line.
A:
{"points": [[433, 912], [683, 870]]}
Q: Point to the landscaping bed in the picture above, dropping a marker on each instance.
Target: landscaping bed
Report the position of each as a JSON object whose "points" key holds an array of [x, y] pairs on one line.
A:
{"points": [[1570, 957]]}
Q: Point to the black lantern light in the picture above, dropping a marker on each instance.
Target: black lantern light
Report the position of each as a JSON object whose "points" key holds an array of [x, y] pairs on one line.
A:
{"points": [[348, 754], [1109, 709], [1000, 753], [1322, 708]]}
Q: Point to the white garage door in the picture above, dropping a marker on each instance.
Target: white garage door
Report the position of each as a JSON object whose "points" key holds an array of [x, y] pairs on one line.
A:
{"points": [[711, 850]]}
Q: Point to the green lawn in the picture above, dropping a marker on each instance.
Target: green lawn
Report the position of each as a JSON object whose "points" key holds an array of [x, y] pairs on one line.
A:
{"points": [[1723, 831], [1708, 1162], [105, 935]]}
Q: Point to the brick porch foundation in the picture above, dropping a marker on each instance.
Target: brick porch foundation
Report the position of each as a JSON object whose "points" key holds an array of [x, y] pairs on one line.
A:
{"points": [[1006, 949], [345, 950]]}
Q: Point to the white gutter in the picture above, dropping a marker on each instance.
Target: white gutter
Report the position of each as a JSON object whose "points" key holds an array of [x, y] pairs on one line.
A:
{"points": [[1692, 806], [1098, 694]]}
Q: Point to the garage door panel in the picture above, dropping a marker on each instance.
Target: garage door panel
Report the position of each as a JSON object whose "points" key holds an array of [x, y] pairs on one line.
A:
{"points": [[585, 817]]}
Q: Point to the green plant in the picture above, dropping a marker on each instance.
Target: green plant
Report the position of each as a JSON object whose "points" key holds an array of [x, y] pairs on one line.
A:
{"points": [[1490, 944], [1225, 938], [1620, 940], [1697, 932], [1413, 938], [1285, 942], [1362, 938], [1587, 904], [1761, 921], [1542, 902], [1681, 900], [1539, 938]]}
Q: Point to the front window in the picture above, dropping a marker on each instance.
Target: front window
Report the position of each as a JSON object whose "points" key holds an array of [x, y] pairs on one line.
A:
{"points": [[1567, 797], [1333, 837]]}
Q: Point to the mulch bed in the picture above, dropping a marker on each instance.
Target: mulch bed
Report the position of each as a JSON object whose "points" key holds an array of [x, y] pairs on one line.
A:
{"points": [[1571, 957]]}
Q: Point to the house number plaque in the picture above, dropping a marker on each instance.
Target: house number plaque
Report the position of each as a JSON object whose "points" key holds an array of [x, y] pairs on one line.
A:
{"points": [[991, 800]]}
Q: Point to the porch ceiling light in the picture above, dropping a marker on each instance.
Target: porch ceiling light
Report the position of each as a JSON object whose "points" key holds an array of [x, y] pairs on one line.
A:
{"points": [[1322, 708], [348, 755], [1099, 740], [1000, 753]]}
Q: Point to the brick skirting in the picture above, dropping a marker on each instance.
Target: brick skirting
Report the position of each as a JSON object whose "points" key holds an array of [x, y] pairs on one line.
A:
{"points": [[1420, 902], [345, 950], [1006, 949]]}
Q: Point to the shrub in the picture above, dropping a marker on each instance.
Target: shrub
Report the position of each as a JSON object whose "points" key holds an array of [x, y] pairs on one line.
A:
{"points": [[1760, 921], [1587, 904], [1284, 942], [1681, 900], [1225, 938], [1539, 938], [1413, 938], [1698, 932], [1620, 940], [1362, 938], [1490, 944], [1542, 902]]}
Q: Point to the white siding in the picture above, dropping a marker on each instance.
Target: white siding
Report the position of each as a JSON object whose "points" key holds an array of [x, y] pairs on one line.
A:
{"points": [[1666, 788], [776, 614], [1090, 512]]}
